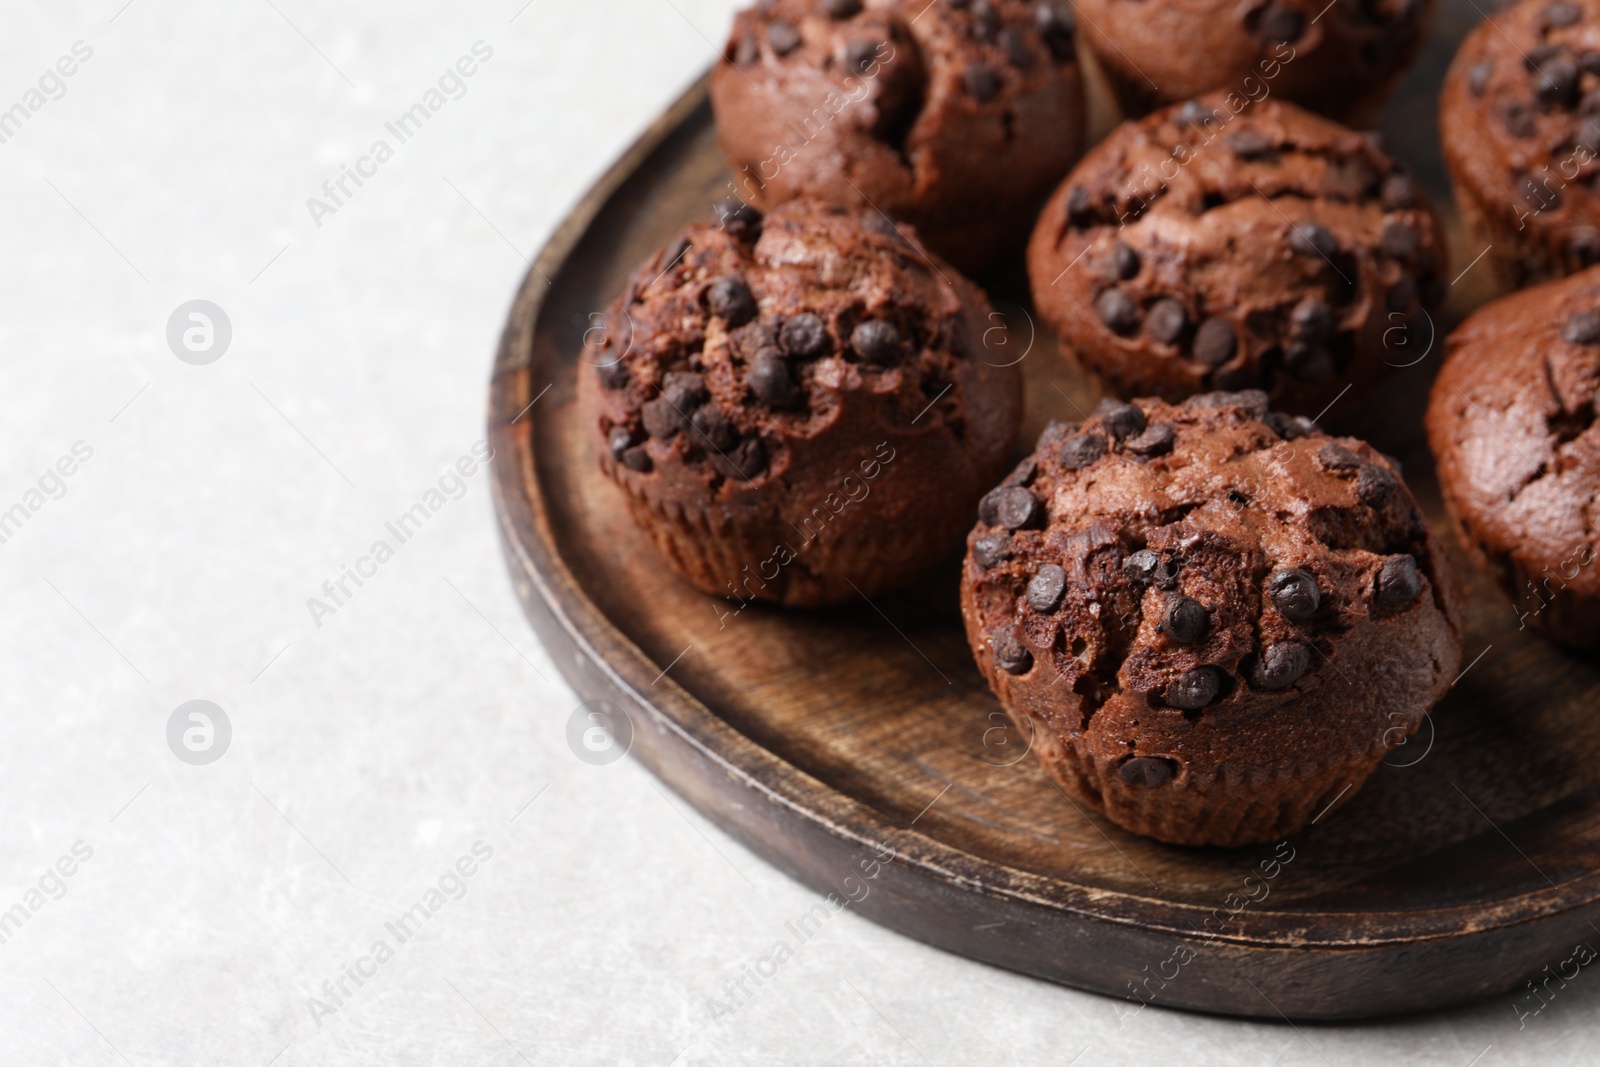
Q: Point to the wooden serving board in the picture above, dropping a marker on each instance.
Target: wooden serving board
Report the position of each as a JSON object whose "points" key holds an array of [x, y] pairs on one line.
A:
{"points": [[858, 749]]}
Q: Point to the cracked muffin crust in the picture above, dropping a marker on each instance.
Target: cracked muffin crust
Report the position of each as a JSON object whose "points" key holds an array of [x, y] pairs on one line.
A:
{"points": [[1212, 620], [958, 117], [1213, 245], [798, 406], [1340, 59], [1512, 425], [1519, 122]]}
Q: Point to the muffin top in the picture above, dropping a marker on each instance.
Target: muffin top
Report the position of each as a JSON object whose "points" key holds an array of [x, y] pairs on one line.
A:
{"points": [[1209, 585], [933, 112], [1512, 424], [1520, 117], [1267, 247], [750, 348], [1333, 58]]}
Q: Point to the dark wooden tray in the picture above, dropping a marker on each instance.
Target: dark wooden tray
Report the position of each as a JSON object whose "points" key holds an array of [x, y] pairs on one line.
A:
{"points": [[858, 749]]}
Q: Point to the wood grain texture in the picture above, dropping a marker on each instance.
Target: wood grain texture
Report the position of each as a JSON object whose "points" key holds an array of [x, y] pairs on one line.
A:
{"points": [[826, 739]]}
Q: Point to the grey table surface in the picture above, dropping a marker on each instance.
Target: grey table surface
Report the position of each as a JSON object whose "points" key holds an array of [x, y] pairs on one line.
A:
{"points": [[400, 741]]}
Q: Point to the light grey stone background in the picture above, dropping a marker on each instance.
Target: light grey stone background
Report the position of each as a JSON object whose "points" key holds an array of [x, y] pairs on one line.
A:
{"points": [[371, 752]]}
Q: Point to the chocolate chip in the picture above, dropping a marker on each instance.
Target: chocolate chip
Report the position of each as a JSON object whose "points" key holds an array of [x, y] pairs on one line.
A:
{"points": [[1399, 240], [1080, 207], [1535, 57], [1148, 771], [1517, 118], [1375, 486], [876, 341], [747, 51], [740, 219], [1023, 473], [1149, 567], [1294, 593], [1399, 583], [1214, 342], [991, 549], [1081, 450], [613, 373], [983, 82], [1046, 588], [1194, 113], [1120, 419], [1559, 15], [1248, 144], [1165, 321], [1010, 506], [1054, 432], [1281, 665], [1009, 655], [660, 418], [842, 9], [1582, 328], [804, 335], [1290, 427], [1311, 320], [1184, 620], [1016, 48], [675, 251], [619, 440], [1057, 26], [1123, 264], [1399, 192], [1280, 22], [684, 389], [859, 55], [1336, 457], [1589, 62], [1556, 83], [730, 298], [637, 459], [1117, 310], [783, 38], [713, 428], [1478, 77], [985, 20], [1194, 689], [772, 382], [1313, 239], [1253, 401], [1156, 440], [1402, 294], [746, 461]]}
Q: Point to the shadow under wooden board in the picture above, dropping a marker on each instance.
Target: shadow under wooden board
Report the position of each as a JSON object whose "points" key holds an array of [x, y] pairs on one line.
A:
{"points": [[858, 749]]}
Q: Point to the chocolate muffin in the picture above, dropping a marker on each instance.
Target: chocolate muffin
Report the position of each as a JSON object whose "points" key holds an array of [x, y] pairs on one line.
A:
{"points": [[1211, 619], [1340, 59], [1512, 423], [1206, 247], [1519, 120], [799, 407], [958, 117]]}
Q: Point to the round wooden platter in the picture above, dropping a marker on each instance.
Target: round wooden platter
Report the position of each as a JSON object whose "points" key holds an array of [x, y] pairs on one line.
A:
{"points": [[858, 749]]}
